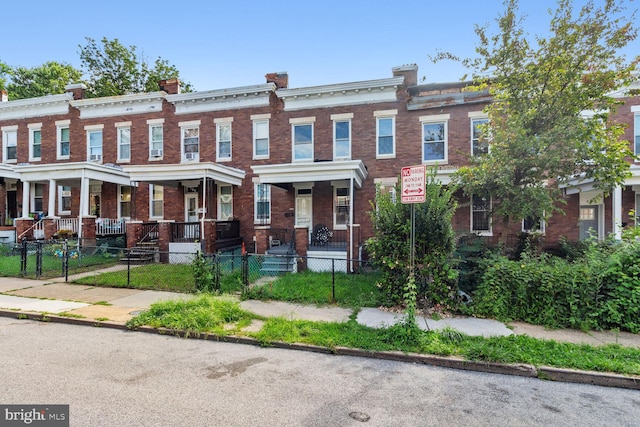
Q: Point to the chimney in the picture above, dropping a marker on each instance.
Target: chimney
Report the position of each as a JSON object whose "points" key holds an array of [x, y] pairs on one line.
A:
{"points": [[4, 96], [280, 79], [77, 90], [170, 86], [409, 72]]}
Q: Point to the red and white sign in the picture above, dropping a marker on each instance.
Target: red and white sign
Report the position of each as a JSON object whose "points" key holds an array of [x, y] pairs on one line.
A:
{"points": [[413, 184]]}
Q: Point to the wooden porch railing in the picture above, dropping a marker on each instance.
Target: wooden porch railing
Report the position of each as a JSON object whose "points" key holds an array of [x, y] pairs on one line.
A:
{"points": [[185, 231], [149, 232]]}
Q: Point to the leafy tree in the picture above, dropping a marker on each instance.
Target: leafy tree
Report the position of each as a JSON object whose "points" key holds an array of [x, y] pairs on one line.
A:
{"points": [[4, 72], [47, 79], [549, 121], [114, 69], [435, 277]]}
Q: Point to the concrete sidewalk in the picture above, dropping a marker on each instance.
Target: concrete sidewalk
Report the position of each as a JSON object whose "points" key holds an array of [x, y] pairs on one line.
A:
{"points": [[120, 304]]}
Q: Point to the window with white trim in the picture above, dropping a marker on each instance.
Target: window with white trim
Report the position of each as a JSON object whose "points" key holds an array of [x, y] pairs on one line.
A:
{"points": [[156, 209], [533, 224], [480, 214], [223, 139], [124, 202], [260, 139], [10, 144], [342, 136], [637, 210], [302, 141], [225, 202], [156, 138], [94, 143], [35, 142], [434, 138], [64, 200], [38, 197], [341, 206], [62, 138], [636, 134], [479, 145], [385, 134], [124, 142], [262, 208], [190, 140]]}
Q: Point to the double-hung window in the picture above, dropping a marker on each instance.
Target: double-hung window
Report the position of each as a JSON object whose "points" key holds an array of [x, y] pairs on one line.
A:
{"points": [[223, 139], [64, 200], [342, 136], [125, 202], [341, 207], [262, 206], [225, 202], [35, 141], [156, 138], [38, 197], [385, 133], [94, 142], [434, 138], [480, 214], [124, 141], [62, 137], [190, 132], [261, 136], [302, 130], [157, 201], [10, 144], [479, 144]]}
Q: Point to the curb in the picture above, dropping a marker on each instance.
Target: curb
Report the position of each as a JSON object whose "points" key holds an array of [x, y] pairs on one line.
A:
{"points": [[522, 370]]}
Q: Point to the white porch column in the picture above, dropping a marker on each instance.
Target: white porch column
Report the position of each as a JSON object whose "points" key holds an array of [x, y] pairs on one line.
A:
{"points": [[351, 199], [26, 198], [51, 208], [84, 196], [616, 205]]}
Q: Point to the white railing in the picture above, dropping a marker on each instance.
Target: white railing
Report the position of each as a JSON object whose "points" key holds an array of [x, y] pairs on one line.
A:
{"points": [[38, 231], [71, 224], [106, 226]]}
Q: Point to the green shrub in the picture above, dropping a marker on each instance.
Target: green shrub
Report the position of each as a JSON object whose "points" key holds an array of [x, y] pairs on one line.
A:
{"points": [[620, 307]]}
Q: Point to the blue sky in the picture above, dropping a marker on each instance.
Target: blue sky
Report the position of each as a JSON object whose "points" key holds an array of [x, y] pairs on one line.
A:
{"points": [[219, 44]]}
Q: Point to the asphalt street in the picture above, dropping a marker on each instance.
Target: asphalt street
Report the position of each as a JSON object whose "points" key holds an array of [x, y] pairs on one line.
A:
{"points": [[120, 378]]}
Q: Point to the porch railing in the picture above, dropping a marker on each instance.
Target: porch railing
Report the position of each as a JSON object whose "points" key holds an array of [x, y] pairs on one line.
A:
{"points": [[325, 239], [227, 230], [110, 226], [38, 231], [149, 232], [71, 224], [185, 231]]}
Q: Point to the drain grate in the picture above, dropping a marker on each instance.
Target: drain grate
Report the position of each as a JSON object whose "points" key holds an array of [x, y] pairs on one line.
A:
{"points": [[359, 416]]}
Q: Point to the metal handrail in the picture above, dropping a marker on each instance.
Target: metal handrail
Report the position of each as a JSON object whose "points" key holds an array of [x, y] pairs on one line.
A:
{"points": [[39, 225]]}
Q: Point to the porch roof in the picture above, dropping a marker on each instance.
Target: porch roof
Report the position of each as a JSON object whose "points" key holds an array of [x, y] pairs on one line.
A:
{"points": [[8, 171], [68, 173], [287, 173], [171, 174]]}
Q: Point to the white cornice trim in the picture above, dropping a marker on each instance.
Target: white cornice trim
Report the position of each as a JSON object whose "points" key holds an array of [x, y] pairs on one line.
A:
{"points": [[122, 105], [223, 99], [35, 107]]}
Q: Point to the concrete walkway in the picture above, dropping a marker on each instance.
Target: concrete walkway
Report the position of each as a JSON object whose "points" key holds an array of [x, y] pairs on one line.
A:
{"points": [[120, 304]]}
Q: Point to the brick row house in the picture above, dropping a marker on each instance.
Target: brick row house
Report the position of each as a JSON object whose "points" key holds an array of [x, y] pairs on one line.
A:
{"points": [[265, 164]]}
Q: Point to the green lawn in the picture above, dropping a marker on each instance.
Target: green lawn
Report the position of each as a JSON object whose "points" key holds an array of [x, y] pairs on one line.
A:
{"points": [[52, 265]]}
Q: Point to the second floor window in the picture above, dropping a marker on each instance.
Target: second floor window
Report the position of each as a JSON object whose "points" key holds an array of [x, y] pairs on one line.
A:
{"points": [[261, 139], [302, 142], [156, 137], [479, 144], [10, 145], [35, 140], [63, 142], [434, 142], [191, 143], [124, 144], [223, 131], [342, 139], [94, 138], [385, 131]]}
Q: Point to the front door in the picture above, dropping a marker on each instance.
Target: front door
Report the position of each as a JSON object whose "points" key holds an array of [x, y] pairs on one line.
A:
{"points": [[191, 207], [304, 208]]}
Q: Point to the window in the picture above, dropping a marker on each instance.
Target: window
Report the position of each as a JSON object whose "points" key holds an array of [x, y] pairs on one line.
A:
{"points": [[385, 133], [156, 138], [262, 203], [341, 205], [533, 224], [302, 142], [225, 202], [480, 214], [94, 142], [35, 142], [191, 141], [157, 201], [125, 201], [434, 138], [479, 145], [260, 139], [342, 136], [62, 130], [124, 143], [10, 143], [636, 132], [223, 138], [64, 200], [38, 196]]}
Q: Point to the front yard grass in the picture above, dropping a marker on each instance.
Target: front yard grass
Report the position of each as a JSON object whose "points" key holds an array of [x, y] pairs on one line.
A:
{"points": [[52, 265]]}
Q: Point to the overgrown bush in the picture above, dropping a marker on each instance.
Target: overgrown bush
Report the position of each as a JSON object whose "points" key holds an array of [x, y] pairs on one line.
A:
{"points": [[598, 289], [204, 273]]}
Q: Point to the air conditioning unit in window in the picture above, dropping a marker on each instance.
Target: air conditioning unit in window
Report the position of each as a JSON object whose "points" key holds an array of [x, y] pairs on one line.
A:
{"points": [[95, 157], [156, 152], [191, 156]]}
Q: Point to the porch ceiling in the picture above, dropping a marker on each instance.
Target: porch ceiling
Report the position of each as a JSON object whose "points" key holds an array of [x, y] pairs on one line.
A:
{"points": [[171, 174], [287, 173], [72, 172]]}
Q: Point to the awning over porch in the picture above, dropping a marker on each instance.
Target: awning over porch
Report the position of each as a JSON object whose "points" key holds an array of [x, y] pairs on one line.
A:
{"points": [[170, 175], [287, 173], [7, 171]]}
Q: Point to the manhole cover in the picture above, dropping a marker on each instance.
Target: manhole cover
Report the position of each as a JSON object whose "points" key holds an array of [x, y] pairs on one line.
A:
{"points": [[359, 416]]}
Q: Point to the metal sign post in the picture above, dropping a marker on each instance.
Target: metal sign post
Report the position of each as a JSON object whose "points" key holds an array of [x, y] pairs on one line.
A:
{"points": [[413, 191]]}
